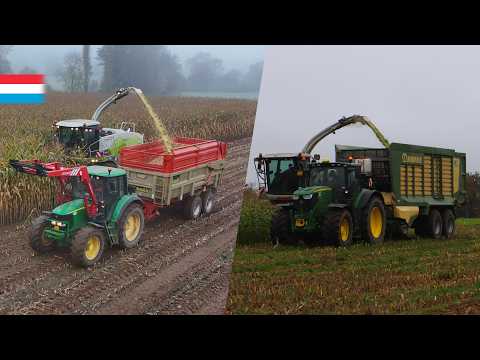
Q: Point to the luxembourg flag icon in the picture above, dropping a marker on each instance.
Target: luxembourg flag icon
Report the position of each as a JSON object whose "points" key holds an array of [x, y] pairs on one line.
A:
{"points": [[22, 89]]}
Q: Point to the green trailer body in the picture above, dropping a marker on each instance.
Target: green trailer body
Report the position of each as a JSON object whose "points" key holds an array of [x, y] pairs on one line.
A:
{"points": [[412, 176], [164, 189]]}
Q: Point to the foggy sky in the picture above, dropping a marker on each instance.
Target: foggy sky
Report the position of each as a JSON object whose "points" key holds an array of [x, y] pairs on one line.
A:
{"points": [[422, 95], [45, 58]]}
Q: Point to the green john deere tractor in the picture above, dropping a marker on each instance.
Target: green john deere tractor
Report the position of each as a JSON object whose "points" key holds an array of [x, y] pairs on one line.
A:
{"points": [[97, 208], [337, 203]]}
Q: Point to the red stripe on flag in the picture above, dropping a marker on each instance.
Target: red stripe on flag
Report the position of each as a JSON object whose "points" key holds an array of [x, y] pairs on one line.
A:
{"points": [[21, 78]]}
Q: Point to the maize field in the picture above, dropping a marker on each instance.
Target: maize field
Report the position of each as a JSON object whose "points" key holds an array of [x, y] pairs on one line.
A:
{"points": [[26, 133]]}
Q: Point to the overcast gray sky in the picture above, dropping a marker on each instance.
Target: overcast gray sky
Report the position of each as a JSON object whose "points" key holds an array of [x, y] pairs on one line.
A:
{"points": [[422, 95]]}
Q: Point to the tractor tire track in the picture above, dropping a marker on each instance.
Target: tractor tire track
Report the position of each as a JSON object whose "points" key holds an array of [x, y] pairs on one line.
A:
{"points": [[51, 285]]}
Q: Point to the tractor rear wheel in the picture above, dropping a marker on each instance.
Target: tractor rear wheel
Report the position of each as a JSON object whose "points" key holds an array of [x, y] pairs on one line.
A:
{"points": [[130, 226], [280, 229], [448, 223], [87, 246], [338, 228], [374, 222], [38, 241], [434, 224], [208, 201], [192, 208]]}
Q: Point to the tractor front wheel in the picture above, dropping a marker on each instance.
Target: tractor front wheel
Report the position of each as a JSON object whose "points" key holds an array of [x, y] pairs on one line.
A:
{"points": [[338, 228], [38, 241], [130, 226], [87, 246], [280, 229], [374, 222]]}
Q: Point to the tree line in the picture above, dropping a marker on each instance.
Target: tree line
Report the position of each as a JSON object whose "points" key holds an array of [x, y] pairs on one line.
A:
{"points": [[153, 68]]}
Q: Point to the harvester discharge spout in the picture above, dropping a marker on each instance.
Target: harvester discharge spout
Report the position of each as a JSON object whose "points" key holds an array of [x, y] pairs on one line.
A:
{"points": [[345, 121], [161, 129]]}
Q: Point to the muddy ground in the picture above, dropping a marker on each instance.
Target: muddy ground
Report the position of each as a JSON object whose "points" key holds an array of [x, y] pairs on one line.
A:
{"points": [[180, 267]]}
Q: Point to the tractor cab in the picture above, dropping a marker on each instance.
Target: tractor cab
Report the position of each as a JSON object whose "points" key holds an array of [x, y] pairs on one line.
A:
{"points": [[95, 140], [332, 180], [108, 184], [280, 175], [79, 134]]}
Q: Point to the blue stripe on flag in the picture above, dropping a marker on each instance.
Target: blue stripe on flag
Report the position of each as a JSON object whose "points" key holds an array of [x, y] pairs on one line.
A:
{"points": [[22, 98]]}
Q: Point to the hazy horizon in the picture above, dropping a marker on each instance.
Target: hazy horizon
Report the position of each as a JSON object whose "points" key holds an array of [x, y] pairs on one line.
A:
{"points": [[46, 58]]}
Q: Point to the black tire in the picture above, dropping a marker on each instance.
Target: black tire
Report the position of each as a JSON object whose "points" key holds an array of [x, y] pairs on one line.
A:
{"points": [[399, 230], [448, 218], [421, 226], [132, 216], [208, 201], [280, 229], [372, 215], [81, 254], [434, 224], [192, 207], [338, 228], [38, 241]]}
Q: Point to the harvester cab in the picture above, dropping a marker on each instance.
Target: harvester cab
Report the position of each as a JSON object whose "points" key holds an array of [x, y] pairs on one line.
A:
{"points": [[94, 140], [279, 175], [96, 208]]}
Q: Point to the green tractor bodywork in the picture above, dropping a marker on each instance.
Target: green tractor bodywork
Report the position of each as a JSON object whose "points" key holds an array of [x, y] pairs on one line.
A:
{"points": [[333, 189], [63, 223]]}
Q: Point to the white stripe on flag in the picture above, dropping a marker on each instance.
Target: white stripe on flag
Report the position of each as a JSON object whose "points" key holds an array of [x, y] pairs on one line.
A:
{"points": [[22, 88]]}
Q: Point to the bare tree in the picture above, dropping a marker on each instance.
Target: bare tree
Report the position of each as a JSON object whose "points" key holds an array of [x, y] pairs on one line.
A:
{"points": [[4, 63], [87, 67], [71, 73], [204, 71]]}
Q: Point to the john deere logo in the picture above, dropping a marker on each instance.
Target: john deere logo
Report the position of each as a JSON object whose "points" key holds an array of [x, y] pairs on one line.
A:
{"points": [[412, 159]]}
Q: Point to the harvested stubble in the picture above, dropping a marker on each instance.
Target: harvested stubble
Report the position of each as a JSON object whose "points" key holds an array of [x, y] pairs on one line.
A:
{"points": [[26, 133]]}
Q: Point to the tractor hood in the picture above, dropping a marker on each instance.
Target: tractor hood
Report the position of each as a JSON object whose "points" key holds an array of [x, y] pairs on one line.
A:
{"points": [[70, 207], [312, 190]]}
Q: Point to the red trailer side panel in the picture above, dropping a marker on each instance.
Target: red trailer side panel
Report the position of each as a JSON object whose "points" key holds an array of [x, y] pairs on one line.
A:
{"points": [[187, 153]]}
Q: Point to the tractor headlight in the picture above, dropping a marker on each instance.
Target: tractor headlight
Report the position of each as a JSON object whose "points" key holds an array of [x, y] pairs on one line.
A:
{"points": [[307, 197], [58, 223]]}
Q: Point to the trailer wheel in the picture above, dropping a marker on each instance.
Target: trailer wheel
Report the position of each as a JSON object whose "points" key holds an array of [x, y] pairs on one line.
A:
{"points": [[421, 226], [338, 228], [448, 223], [192, 207], [434, 224], [130, 226], [374, 222], [87, 246], [38, 241], [208, 201], [280, 229]]}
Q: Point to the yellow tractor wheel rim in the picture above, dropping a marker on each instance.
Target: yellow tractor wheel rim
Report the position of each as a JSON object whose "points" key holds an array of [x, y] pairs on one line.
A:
{"points": [[376, 222], [93, 247], [132, 227], [344, 229]]}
